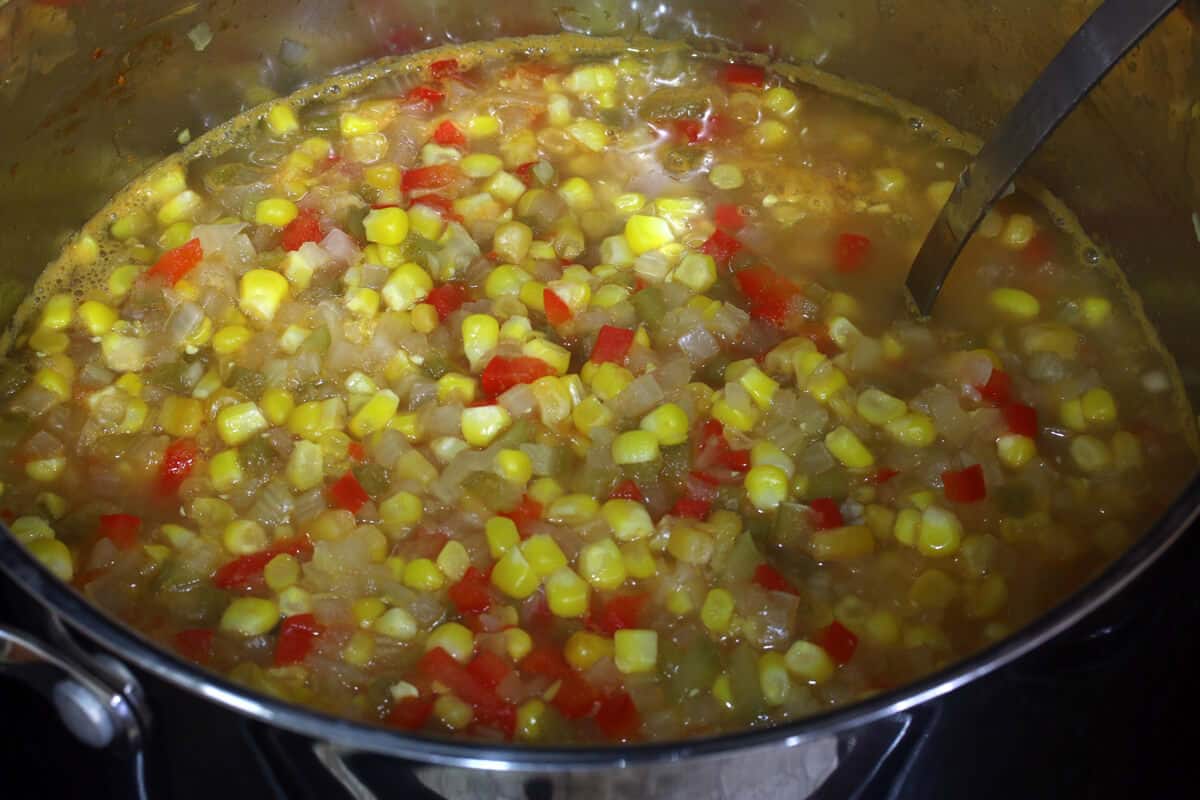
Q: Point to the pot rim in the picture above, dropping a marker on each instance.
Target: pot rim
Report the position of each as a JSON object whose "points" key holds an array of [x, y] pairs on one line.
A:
{"points": [[115, 636]]}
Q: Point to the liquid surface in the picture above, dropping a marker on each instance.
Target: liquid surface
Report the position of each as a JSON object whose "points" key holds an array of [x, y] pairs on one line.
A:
{"points": [[569, 396]]}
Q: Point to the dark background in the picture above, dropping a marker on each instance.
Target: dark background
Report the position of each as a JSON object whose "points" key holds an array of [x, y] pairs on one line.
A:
{"points": [[1103, 712]]}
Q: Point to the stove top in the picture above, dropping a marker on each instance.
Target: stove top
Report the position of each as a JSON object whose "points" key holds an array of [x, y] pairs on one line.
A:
{"points": [[1097, 715]]}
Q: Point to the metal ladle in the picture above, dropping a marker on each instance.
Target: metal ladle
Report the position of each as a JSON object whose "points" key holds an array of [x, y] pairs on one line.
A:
{"points": [[1107, 35]]}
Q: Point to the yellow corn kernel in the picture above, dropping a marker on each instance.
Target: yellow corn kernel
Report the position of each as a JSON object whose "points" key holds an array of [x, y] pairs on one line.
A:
{"points": [[130, 383], [781, 101], [933, 589], [517, 643], [456, 387], [400, 512], [696, 271], [635, 447], [842, 544], [530, 718], [1090, 454], [306, 466], [506, 280], [769, 133], [809, 662], [1015, 303], [239, 423], [129, 226], [1015, 450], [717, 611], [502, 535], [97, 318], [773, 679], [295, 600], [1071, 413], [609, 295], [766, 486], [514, 575], [985, 598], [406, 286], [282, 120], [453, 560], [912, 430], [54, 556], [589, 133], [584, 648], [759, 386], [31, 529], [567, 595], [639, 561], [573, 509], [577, 193], [375, 414], [281, 572], [690, 545], [396, 623], [1098, 406], [224, 470], [847, 448], [880, 408], [668, 424], [423, 575], [386, 225], [261, 293], [366, 610], [826, 382], [543, 554], [482, 126], [181, 207], [558, 357], [768, 454], [276, 212], [1096, 311], [591, 414], [609, 380], [424, 318], [50, 342], [600, 563], [740, 418], [243, 536], [481, 334], [230, 339], [679, 601], [359, 650], [277, 405], [54, 382], [635, 650], [456, 639], [514, 465], [362, 302], [645, 233], [250, 616], [628, 519], [722, 691], [121, 280], [1017, 231], [940, 533], [482, 424]]}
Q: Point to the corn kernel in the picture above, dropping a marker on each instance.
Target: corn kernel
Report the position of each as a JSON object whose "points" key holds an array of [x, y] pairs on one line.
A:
{"points": [[239, 423], [567, 595], [261, 293], [396, 623], [628, 519], [932, 590], [679, 601], [558, 357], [589, 133], [600, 563], [690, 545], [281, 572], [1090, 454], [573, 509], [282, 120], [514, 575], [668, 424], [645, 233], [1018, 231], [517, 643], [1015, 450], [809, 662], [1015, 303], [781, 101], [514, 465], [584, 648], [880, 408], [406, 286], [250, 616], [54, 556], [276, 212], [277, 405], [359, 650], [717, 611], [577, 193], [635, 447], [940, 533], [1096, 311], [502, 535], [912, 430], [722, 691], [375, 414], [224, 470], [423, 575], [1098, 406], [773, 679], [766, 486], [481, 334], [306, 466], [482, 126], [456, 639], [635, 650], [97, 318], [482, 424], [739, 417], [31, 529], [366, 610], [768, 454], [182, 206], [759, 386], [543, 554], [243, 537], [847, 448], [591, 414], [553, 399], [639, 561]]}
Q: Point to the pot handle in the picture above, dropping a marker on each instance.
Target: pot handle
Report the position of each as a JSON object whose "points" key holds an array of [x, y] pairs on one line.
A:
{"points": [[97, 698]]}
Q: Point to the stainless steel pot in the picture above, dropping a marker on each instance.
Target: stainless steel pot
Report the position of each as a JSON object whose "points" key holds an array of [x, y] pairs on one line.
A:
{"points": [[93, 91]]}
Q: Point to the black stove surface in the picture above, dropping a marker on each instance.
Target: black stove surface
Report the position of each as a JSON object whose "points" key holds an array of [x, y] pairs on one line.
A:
{"points": [[1103, 714]]}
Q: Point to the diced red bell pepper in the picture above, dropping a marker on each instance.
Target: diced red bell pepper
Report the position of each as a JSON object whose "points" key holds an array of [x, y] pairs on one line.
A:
{"points": [[410, 714], [627, 490], [623, 611], [471, 594], [195, 644], [838, 641], [177, 463], [851, 252], [618, 717], [557, 311], [433, 177], [709, 128], [121, 529], [306, 227], [964, 485], [525, 172], [527, 512], [357, 452], [691, 507], [503, 373], [769, 293], [444, 68], [721, 246], [1021, 419], [442, 205], [745, 75], [438, 665], [773, 580], [425, 95], [243, 572], [297, 634], [448, 134], [575, 698], [488, 668], [174, 264], [547, 662], [736, 460], [447, 299], [612, 344], [826, 513], [690, 129], [728, 216], [1040, 249], [998, 389], [883, 475], [347, 493]]}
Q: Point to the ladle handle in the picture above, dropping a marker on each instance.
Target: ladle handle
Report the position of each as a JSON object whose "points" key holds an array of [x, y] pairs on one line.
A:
{"points": [[1107, 35]]}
